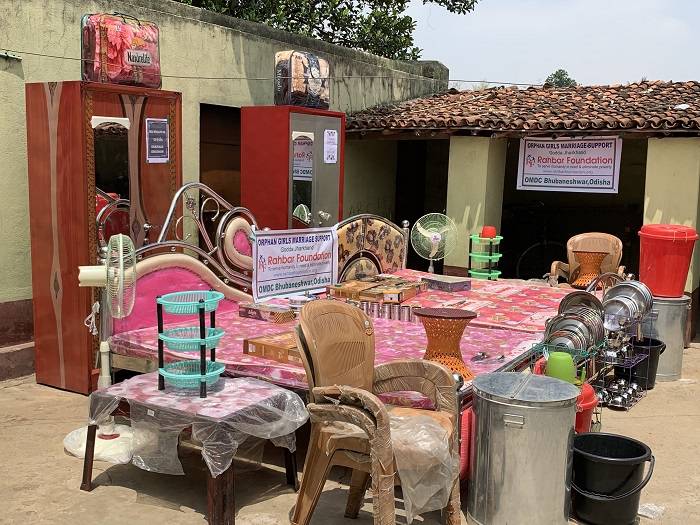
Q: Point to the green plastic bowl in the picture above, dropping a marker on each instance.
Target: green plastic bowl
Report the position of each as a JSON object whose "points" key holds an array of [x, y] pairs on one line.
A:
{"points": [[185, 374], [181, 303], [186, 339]]}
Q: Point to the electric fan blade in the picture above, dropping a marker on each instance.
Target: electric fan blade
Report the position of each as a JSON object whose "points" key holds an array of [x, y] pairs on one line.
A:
{"points": [[423, 231], [435, 249]]}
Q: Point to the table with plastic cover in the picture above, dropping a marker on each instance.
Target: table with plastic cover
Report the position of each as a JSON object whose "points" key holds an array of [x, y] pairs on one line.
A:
{"points": [[236, 409]]}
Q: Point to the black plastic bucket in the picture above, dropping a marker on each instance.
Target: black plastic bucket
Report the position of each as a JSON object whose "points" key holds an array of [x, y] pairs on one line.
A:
{"points": [[608, 477], [645, 372]]}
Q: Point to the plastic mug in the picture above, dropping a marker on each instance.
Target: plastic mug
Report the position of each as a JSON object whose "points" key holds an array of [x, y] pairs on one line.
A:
{"points": [[561, 366], [488, 232]]}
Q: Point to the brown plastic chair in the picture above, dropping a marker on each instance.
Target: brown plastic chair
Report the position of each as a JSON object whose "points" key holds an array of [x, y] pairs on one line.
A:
{"points": [[588, 242], [336, 341]]}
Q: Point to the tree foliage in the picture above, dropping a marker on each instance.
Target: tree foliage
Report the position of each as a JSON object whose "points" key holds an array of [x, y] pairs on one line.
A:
{"points": [[560, 78], [380, 27]]}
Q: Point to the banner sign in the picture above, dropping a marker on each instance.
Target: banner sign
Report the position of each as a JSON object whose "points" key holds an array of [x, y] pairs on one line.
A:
{"points": [[587, 165], [288, 262]]}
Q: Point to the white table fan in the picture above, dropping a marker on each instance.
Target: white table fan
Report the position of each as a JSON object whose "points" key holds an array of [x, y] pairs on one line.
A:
{"points": [[433, 237]]}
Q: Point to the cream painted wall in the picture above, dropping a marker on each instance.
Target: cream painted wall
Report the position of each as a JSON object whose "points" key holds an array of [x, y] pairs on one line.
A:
{"points": [[371, 166], [672, 190], [194, 43], [474, 188]]}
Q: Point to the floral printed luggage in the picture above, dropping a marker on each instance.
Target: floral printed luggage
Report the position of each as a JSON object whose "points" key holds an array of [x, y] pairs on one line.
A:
{"points": [[120, 49], [301, 79]]}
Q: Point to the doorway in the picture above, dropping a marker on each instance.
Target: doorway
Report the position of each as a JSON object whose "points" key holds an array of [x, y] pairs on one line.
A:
{"points": [[421, 186], [220, 150], [537, 224]]}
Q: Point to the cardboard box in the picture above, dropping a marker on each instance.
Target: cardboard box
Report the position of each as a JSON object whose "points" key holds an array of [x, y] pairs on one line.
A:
{"points": [[389, 293], [448, 283], [350, 289], [266, 312], [383, 289], [277, 347]]}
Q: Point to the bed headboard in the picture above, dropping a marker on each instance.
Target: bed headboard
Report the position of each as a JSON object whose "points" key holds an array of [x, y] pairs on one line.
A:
{"points": [[173, 272], [370, 244], [203, 224], [206, 243]]}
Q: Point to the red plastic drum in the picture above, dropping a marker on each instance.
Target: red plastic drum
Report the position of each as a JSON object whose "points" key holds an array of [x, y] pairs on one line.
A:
{"points": [[665, 251]]}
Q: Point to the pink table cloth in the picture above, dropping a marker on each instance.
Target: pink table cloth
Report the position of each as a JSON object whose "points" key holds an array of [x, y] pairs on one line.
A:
{"points": [[234, 410]]}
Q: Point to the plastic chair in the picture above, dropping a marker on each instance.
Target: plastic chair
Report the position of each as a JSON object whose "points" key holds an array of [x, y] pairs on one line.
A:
{"points": [[337, 347], [585, 246]]}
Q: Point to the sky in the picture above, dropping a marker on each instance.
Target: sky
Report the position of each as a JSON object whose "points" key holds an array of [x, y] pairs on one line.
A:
{"points": [[596, 41]]}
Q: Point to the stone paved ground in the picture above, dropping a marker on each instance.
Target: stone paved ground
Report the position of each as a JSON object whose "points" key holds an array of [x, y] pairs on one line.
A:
{"points": [[39, 482]]}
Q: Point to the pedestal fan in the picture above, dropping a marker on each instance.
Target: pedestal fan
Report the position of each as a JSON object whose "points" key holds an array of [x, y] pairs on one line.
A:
{"points": [[117, 278], [433, 237]]}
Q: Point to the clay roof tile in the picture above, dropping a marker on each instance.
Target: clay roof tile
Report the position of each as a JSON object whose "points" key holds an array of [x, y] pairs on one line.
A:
{"points": [[639, 105]]}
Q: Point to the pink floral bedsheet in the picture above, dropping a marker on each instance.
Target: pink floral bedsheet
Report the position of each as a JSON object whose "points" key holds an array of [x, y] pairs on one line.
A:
{"points": [[394, 340], [509, 304]]}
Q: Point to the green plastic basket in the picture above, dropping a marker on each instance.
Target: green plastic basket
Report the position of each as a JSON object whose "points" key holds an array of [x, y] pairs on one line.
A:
{"points": [[485, 241], [185, 374], [485, 256], [181, 303], [186, 339], [485, 274]]}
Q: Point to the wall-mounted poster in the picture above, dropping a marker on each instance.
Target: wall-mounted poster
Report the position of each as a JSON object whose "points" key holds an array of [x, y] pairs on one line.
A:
{"points": [[302, 155], [157, 141], [330, 146], [586, 165]]}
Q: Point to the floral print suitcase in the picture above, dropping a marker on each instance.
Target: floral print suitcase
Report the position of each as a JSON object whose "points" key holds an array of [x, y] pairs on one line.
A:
{"points": [[120, 49], [301, 79]]}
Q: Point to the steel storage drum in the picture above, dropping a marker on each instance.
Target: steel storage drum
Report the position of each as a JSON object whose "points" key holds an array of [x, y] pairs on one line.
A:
{"points": [[522, 436], [667, 323]]}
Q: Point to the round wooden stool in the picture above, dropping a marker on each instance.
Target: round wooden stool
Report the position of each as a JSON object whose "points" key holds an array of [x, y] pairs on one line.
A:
{"points": [[444, 328]]}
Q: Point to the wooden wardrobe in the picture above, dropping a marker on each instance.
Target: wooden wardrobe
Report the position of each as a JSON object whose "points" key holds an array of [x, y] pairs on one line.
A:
{"points": [[82, 136]]}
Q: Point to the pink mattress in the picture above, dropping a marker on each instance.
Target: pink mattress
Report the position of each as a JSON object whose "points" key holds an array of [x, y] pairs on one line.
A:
{"points": [[508, 304], [394, 340]]}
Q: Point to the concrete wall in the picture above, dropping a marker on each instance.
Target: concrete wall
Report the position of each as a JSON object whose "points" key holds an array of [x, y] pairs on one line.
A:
{"points": [[371, 166], [672, 191], [194, 43], [474, 188]]}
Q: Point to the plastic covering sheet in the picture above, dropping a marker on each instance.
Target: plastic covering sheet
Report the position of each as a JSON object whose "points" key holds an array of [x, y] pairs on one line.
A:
{"points": [[427, 464], [233, 411]]}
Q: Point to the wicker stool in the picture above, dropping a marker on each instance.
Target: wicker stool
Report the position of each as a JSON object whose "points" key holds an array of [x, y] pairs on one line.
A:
{"points": [[444, 328], [589, 267]]}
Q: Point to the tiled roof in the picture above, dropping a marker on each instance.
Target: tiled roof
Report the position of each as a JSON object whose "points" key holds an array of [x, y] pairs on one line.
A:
{"points": [[648, 105]]}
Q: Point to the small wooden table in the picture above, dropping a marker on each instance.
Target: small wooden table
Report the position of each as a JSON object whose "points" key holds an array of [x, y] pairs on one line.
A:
{"points": [[444, 328], [233, 410]]}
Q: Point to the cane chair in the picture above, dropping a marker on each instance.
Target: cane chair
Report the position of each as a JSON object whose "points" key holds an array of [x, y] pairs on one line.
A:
{"points": [[589, 255], [336, 342]]}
